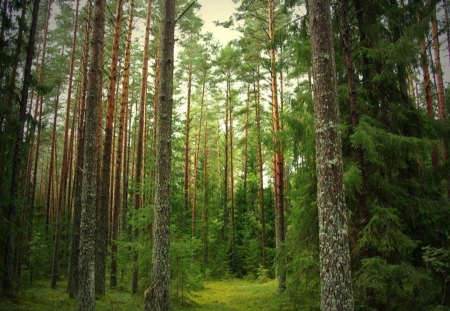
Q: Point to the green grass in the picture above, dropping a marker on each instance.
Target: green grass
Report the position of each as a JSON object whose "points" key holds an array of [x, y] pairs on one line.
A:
{"points": [[237, 294], [225, 295]]}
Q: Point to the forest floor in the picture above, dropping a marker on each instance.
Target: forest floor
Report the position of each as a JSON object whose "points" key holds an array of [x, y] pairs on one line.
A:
{"points": [[224, 295]]}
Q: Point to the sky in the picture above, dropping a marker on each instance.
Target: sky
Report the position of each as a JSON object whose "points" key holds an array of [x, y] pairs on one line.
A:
{"points": [[218, 10]]}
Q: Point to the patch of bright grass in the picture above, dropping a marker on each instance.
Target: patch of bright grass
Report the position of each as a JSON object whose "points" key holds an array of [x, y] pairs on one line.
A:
{"points": [[224, 295], [238, 295], [40, 297]]}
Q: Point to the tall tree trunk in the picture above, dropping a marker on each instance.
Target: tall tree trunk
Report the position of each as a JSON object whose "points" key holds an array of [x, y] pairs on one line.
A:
{"points": [[447, 21], [278, 155], [157, 296], [138, 197], [186, 145], [8, 277], [262, 217], [426, 79], [246, 125], [233, 229], [438, 70], [86, 263], [103, 208], [65, 164], [121, 145], [197, 154], [72, 285], [205, 196], [335, 272], [51, 171], [225, 179]]}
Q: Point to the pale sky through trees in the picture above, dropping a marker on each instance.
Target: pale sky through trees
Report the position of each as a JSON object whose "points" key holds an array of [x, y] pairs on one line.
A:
{"points": [[218, 10]]}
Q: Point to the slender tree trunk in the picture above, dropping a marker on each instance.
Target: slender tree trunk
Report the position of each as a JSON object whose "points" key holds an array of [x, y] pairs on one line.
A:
{"points": [[233, 229], [72, 285], [335, 272], [51, 172], [205, 196], [65, 164], [8, 277], [426, 80], [121, 150], [157, 296], [186, 145], [197, 153], [447, 21], [278, 155], [86, 263], [103, 208], [225, 183], [138, 197], [246, 125], [438, 70], [262, 217]]}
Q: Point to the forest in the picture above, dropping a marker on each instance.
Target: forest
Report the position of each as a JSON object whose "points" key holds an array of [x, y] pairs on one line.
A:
{"points": [[146, 165]]}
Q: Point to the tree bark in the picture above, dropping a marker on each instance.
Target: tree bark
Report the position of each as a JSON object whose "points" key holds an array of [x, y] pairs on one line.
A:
{"points": [[120, 150], [103, 208], [438, 70], [157, 296], [72, 285], [335, 272], [186, 144], [86, 264], [426, 80], [197, 154], [278, 154], [138, 196], [262, 217], [65, 164]]}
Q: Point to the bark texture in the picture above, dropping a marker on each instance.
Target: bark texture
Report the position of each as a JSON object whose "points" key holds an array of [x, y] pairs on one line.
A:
{"points": [[86, 265], [335, 273], [157, 296], [138, 196], [103, 208]]}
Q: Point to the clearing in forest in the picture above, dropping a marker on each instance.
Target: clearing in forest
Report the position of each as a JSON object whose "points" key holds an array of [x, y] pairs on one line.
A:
{"points": [[225, 295]]}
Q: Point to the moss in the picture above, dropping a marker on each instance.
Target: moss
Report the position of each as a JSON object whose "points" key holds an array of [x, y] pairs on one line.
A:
{"points": [[225, 295]]}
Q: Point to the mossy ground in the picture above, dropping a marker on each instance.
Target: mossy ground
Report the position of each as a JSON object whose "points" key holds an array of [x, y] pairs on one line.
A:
{"points": [[224, 295]]}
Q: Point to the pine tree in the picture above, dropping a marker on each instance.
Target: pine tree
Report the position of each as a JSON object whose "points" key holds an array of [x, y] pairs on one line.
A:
{"points": [[335, 273], [157, 296], [86, 264]]}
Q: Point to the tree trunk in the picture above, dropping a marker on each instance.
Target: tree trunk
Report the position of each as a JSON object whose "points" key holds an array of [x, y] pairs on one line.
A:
{"points": [[51, 173], [138, 197], [103, 208], [426, 79], [8, 276], [335, 273], [278, 155], [205, 197], [65, 164], [438, 70], [86, 264], [157, 296], [186, 145], [72, 285], [262, 217], [225, 179], [197, 153], [233, 229], [120, 151], [447, 21]]}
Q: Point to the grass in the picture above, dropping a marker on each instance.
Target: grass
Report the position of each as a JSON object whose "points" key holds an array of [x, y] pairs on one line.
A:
{"points": [[225, 295]]}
